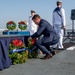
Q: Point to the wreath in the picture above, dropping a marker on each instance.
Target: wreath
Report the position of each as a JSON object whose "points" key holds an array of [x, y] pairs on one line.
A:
{"points": [[18, 52], [22, 25], [11, 25], [32, 53]]}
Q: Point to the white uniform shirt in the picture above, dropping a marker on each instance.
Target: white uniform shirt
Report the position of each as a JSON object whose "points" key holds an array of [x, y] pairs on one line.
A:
{"points": [[32, 27], [57, 19]]}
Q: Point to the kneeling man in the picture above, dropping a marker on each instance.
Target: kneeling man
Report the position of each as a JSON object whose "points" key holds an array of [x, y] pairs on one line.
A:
{"points": [[49, 36]]}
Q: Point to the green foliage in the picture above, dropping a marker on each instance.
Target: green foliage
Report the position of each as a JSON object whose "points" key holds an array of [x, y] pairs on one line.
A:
{"points": [[11, 27], [19, 58], [22, 27], [32, 54]]}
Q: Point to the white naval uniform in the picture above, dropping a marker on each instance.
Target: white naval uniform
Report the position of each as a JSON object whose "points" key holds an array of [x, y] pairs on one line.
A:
{"points": [[32, 27], [58, 22]]}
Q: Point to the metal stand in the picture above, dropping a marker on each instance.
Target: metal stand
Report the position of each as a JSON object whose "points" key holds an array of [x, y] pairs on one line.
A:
{"points": [[71, 34]]}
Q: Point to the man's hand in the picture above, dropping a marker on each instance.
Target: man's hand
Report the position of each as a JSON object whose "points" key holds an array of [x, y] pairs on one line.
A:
{"points": [[29, 39], [63, 27]]}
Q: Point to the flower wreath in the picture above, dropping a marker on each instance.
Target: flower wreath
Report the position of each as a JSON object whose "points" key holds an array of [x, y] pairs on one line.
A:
{"points": [[22, 25], [11, 25], [17, 51], [34, 53]]}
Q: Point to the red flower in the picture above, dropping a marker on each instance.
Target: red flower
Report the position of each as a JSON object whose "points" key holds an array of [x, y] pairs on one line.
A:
{"points": [[33, 41], [17, 43], [10, 22], [22, 23], [20, 43]]}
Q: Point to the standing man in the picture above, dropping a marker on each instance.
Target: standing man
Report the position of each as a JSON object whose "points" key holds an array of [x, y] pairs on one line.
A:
{"points": [[32, 27], [49, 36], [59, 23]]}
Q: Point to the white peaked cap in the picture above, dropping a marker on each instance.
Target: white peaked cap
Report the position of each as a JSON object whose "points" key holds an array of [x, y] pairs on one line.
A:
{"points": [[59, 1]]}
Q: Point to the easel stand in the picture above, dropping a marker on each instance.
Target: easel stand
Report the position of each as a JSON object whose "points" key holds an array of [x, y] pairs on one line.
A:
{"points": [[71, 34]]}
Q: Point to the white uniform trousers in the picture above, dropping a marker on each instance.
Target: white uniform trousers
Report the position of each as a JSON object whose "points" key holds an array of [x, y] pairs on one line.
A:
{"points": [[59, 32]]}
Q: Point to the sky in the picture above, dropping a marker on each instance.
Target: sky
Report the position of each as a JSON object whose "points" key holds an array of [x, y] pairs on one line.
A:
{"points": [[18, 10]]}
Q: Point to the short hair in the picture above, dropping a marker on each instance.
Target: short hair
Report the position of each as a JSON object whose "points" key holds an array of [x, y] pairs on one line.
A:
{"points": [[36, 16], [32, 11]]}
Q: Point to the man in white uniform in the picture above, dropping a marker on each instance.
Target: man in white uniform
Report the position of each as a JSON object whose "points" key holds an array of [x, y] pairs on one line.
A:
{"points": [[32, 27], [59, 23]]}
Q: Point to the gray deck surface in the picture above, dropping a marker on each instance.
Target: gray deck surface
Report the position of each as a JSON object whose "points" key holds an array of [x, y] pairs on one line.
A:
{"points": [[62, 63]]}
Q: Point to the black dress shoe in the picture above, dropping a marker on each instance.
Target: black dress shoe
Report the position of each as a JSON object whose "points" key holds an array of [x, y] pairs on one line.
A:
{"points": [[53, 53], [54, 48], [47, 56]]}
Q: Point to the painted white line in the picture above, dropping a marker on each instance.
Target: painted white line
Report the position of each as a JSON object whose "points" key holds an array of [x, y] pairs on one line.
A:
{"points": [[71, 48]]}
